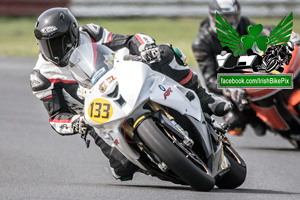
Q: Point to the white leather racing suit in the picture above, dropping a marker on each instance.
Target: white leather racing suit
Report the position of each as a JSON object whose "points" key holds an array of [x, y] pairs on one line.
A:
{"points": [[59, 91]]}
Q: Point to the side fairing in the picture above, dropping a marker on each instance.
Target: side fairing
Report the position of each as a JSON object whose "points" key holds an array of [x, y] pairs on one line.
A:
{"points": [[167, 92]]}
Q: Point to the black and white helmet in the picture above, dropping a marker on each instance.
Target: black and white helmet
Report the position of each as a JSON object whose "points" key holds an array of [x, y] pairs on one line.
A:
{"points": [[229, 9], [57, 34]]}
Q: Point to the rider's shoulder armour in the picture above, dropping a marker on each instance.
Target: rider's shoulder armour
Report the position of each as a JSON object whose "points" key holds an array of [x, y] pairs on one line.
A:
{"points": [[94, 31], [38, 82]]}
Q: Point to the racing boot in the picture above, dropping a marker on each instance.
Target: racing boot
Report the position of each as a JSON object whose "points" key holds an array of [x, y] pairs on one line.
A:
{"points": [[236, 122], [259, 127], [212, 104], [122, 169]]}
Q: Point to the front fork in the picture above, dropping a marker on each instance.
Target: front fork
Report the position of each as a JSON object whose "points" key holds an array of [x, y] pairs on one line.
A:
{"points": [[178, 132], [129, 129], [187, 141]]}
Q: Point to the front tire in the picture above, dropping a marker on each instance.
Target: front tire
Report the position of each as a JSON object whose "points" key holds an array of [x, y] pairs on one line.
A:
{"points": [[295, 143], [175, 159]]}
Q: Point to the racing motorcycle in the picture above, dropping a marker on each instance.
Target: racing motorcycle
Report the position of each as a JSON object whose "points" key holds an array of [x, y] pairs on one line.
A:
{"points": [[154, 121], [279, 109]]}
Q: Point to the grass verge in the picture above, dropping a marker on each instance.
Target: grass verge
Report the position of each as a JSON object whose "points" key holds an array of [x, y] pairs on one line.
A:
{"points": [[17, 39]]}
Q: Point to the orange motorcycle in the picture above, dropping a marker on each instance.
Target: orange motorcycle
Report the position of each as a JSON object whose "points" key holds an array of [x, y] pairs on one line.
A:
{"points": [[279, 109]]}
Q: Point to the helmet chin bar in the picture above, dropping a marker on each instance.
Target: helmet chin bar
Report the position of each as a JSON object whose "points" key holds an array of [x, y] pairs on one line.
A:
{"points": [[62, 62]]}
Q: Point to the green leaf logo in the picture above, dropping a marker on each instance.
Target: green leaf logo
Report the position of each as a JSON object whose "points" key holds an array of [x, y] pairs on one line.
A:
{"points": [[238, 45], [249, 40]]}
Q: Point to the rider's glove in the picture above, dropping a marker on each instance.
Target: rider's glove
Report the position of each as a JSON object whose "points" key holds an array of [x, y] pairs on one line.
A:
{"points": [[80, 125], [237, 95], [149, 53]]}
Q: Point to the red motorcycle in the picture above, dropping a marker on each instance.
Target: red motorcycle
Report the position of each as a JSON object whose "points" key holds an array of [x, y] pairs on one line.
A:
{"points": [[279, 109]]}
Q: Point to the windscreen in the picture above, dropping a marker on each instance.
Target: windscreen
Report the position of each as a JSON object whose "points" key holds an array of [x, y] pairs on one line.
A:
{"points": [[89, 62]]}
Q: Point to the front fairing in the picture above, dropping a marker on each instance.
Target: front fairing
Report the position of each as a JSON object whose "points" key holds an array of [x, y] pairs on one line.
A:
{"points": [[130, 84]]}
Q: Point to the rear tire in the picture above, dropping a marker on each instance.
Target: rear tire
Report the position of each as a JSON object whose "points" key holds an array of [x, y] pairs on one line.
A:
{"points": [[237, 173], [175, 159]]}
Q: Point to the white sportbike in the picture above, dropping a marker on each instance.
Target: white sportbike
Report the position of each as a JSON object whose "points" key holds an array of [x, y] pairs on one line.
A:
{"points": [[154, 121]]}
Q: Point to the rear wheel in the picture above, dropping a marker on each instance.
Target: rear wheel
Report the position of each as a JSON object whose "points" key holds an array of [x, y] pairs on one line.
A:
{"points": [[176, 160], [237, 172]]}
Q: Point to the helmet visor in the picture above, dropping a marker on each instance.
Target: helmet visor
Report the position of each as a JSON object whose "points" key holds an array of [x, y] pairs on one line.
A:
{"points": [[56, 49], [233, 19]]}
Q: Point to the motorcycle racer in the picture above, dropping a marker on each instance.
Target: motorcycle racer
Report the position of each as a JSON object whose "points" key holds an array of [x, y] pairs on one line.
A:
{"points": [[276, 55], [207, 46], [58, 34]]}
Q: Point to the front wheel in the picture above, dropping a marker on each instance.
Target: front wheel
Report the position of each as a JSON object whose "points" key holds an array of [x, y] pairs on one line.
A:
{"points": [[237, 172], [295, 143], [175, 159]]}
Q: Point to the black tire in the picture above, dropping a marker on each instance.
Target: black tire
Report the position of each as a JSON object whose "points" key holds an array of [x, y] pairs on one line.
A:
{"points": [[295, 143], [255, 68], [173, 157], [237, 173], [298, 145]]}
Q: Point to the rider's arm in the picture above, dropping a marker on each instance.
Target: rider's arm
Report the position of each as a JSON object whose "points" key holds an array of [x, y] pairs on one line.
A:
{"points": [[207, 64], [50, 92], [132, 42], [117, 41], [59, 113]]}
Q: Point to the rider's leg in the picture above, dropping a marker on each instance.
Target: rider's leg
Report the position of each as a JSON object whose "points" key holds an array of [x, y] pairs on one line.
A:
{"points": [[237, 121], [121, 167], [174, 67]]}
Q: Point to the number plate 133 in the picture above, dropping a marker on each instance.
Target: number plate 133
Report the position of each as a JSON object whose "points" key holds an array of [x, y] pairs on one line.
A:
{"points": [[100, 110]]}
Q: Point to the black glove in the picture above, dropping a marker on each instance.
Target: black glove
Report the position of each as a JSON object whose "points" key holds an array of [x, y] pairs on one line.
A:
{"points": [[80, 125], [149, 53]]}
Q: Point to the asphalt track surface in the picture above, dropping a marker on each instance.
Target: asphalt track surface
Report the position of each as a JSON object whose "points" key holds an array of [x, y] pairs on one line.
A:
{"points": [[37, 163]]}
